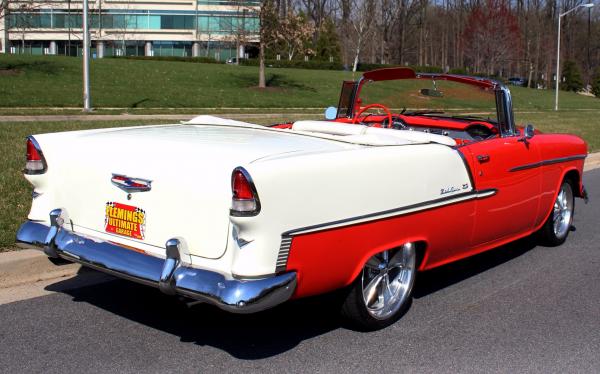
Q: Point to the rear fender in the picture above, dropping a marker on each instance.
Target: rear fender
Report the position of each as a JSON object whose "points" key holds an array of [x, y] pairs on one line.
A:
{"points": [[419, 241]]}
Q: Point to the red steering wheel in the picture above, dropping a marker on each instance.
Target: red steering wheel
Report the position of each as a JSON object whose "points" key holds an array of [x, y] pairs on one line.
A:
{"points": [[380, 106]]}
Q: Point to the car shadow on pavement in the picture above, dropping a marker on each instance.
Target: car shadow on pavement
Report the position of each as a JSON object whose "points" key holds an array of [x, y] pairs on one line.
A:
{"points": [[247, 337], [430, 281], [260, 335]]}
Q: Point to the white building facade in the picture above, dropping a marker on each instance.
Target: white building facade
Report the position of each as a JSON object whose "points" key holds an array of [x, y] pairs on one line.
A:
{"points": [[186, 28]]}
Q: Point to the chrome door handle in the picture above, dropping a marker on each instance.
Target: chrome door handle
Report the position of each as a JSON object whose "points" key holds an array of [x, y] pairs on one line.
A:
{"points": [[483, 158]]}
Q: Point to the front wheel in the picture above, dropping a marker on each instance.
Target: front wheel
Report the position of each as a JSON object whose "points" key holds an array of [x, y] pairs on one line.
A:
{"points": [[558, 225], [382, 292]]}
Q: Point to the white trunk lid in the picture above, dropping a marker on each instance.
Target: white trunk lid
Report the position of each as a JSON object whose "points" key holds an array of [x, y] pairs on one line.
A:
{"points": [[190, 169]]}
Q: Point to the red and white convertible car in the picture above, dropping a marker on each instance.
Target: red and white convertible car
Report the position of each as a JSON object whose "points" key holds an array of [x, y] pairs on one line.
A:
{"points": [[246, 217]]}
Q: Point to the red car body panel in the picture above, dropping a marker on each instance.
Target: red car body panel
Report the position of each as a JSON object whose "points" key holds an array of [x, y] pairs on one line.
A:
{"points": [[526, 175]]}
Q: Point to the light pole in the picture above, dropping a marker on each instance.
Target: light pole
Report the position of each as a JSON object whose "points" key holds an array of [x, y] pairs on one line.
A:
{"points": [[589, 5], [87, 100]]}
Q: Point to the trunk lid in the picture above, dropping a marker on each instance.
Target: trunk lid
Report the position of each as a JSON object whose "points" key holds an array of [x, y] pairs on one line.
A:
{"points": [[188, 168]]}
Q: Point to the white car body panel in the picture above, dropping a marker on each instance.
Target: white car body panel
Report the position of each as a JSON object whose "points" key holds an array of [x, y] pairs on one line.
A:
{"points": [[303, 178]]}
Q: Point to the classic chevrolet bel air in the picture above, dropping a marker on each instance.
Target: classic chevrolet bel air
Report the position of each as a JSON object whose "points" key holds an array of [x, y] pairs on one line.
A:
{"points": [[411, 171]]}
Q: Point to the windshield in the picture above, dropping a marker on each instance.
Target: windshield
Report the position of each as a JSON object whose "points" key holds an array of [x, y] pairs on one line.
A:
{"points": [[431, 97]]}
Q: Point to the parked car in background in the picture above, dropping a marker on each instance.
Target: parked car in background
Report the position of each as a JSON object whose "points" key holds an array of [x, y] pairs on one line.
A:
{"points": [[411, 172], [233, 60], [516, 81]]}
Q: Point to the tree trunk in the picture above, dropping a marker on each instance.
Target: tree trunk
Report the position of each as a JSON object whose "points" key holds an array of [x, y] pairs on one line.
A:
{"points": [[237, 49], [5, 40], [355, 65], [261, 66]]}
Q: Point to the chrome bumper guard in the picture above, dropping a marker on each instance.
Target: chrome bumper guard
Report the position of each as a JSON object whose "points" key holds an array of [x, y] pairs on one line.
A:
{"points": [[169, 275]]}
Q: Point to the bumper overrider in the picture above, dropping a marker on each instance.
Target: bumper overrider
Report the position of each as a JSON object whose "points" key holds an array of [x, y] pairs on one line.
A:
{"points": [[169, 275]]}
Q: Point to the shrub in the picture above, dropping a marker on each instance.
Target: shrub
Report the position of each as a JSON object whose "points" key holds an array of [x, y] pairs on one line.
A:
{"points": [[458, 71], [418, 69], [202, 60], [295, 64], [571, 77]]}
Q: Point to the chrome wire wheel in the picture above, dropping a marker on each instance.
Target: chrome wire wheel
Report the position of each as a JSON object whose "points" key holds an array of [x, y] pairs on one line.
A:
{"points": [[562, 214], [387, 281]]}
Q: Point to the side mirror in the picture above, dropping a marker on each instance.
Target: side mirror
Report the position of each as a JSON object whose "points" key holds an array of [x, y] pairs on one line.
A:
{"points": [[331, 113], [528, 133]]}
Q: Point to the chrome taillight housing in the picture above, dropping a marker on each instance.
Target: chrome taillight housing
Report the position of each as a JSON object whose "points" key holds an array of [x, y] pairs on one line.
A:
{"points": [[244, 199], [35, 161]]}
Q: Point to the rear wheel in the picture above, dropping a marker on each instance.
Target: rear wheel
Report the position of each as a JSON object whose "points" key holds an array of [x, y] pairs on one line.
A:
{"points": [[382, 291], [558, 225]]}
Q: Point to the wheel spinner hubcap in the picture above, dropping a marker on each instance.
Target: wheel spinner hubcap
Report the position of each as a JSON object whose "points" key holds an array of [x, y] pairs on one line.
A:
{"points": [[387, 280], [562, 214]]}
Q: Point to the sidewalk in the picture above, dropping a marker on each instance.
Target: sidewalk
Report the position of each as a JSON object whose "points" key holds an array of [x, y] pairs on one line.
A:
{"points": [[29, 266], [592, 161]]}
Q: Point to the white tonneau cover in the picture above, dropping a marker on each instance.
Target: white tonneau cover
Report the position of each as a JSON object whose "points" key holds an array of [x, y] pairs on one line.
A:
{"points": [[356, 134], [371, 135]]}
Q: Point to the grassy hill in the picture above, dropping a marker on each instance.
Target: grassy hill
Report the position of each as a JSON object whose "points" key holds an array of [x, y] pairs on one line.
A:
{"points": [[55, 81]]}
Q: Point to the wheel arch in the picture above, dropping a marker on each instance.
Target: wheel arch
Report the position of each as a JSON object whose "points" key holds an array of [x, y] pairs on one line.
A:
{"points": [[574, 177], [421, 248]]}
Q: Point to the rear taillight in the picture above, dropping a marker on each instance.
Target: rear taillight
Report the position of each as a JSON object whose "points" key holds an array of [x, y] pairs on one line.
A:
{"points": [[35, 164], [244, 200]]}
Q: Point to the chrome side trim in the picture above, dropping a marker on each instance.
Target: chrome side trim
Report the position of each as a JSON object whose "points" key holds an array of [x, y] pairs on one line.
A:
{"points": [[169, 275], [551, 161], [419, 207], [284, 253]]}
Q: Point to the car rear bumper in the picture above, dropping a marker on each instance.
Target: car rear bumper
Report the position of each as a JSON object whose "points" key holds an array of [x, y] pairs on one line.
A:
{"points": [[169, 275]]}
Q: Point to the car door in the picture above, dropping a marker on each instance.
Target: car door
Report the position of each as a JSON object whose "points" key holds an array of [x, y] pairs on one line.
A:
{"points": [[504, 164]]}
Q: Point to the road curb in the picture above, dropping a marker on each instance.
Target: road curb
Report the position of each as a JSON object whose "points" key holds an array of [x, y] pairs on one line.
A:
{"points": [[29, 265], [592, 161]]}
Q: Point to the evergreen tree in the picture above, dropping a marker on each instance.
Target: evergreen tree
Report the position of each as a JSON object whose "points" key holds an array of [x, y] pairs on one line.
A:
{"points": [[328, 43], [596, 83], [571, 77]]}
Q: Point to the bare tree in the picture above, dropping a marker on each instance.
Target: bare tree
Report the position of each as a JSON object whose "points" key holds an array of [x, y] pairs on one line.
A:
{"points": [[20, 17], [4, 19], [317, 11], [268, 23], [358, 16], [295, 33], [493, 21]]}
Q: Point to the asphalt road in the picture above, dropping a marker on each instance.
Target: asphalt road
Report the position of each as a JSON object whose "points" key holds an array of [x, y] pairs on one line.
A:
{"points": [[518, 308]]}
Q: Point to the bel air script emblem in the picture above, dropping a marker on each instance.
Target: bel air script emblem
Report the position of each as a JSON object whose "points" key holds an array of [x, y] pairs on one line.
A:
{"points": [[452, 189], [129, 184]]}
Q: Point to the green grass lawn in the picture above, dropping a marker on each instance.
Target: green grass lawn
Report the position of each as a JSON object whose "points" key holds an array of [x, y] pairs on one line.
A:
{"points": [[55, 81], [585, 124], [15, 191]]}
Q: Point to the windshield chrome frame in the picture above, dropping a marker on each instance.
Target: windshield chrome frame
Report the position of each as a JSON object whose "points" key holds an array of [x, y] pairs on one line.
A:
{"points": [[506, 119], [504, 109]]}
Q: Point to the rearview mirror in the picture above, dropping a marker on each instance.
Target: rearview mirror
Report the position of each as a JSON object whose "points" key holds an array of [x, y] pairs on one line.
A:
{"points": [[331, 113], [431, 93]]}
